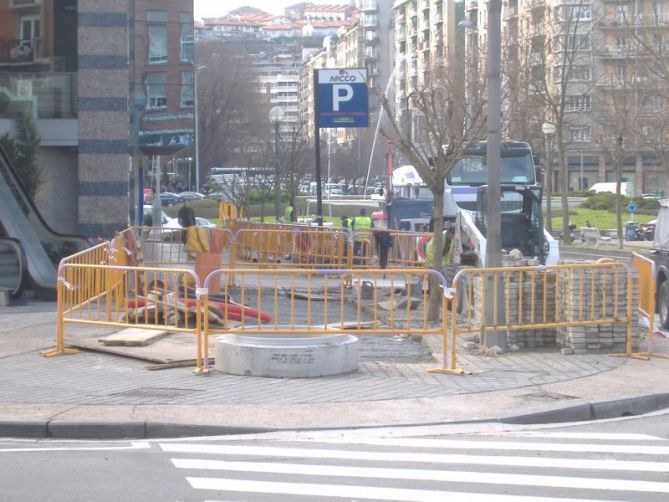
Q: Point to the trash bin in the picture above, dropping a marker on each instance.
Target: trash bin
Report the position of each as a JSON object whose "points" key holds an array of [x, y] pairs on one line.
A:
{"points": [[630, 231]]}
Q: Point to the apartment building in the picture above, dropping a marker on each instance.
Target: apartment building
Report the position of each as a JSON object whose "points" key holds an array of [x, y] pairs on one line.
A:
{"points": [[603, 55], [425, 38]]}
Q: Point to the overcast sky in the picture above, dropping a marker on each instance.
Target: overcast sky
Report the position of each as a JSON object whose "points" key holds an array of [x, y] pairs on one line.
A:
{"points": [[214, 8]]}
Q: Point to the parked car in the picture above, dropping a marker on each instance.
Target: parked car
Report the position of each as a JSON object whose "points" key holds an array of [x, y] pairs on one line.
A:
{"points": [[219, 196], [148, 216], [190, 196], [169, 198], [200, 222], [204, 222]]}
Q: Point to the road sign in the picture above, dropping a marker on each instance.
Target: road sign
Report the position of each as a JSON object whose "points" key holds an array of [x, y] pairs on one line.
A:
{"points": [[343, 98], [631, 208]]}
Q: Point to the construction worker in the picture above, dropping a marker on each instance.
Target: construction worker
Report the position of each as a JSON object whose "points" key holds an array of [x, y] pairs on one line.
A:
{"points": [[288, 214], [361, 226], [448, 235]]}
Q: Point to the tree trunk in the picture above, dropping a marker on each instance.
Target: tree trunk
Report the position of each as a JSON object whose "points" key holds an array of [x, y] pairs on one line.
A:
{"points": [[619, 178], [549, 194], [435, 297], [566, 234]]}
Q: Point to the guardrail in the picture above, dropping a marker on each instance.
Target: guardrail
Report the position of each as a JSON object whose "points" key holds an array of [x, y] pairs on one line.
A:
{"points": [[585, 306], [319, 301], [645, 268], [98, 287]]}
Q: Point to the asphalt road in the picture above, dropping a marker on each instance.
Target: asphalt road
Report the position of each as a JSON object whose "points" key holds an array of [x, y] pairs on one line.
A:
{"points": [[614, 460]]}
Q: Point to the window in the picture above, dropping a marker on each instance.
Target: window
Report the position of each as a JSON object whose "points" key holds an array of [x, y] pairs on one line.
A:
{"points": [[622, 42], [186, 88], [187, 37], [620, 72], [580, 134], [579, 13], [155, 91], [157, 20], [659, 12], [579, 103], [30, 29], [580, 72], [572, 43], [621, 13]]}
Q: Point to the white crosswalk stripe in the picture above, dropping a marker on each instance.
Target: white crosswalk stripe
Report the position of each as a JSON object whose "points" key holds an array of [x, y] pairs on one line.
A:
{"points": [[582, 467]]}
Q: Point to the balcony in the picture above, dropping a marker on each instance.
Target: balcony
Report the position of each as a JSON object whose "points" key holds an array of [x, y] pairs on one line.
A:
{"points": [[369, 6]]}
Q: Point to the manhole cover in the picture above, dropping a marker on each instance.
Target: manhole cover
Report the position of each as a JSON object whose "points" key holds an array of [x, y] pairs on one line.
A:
{"points": [[156, 392], [547, 396]]}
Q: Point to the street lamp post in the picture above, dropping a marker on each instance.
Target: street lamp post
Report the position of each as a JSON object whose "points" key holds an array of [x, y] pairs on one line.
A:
{"points": [[276, 115], [197, 129], [549, 129], [135, 183]]}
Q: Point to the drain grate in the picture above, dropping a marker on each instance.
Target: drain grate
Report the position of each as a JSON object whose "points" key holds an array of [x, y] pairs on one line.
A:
{"points": [[547, 396], [164, 392]]}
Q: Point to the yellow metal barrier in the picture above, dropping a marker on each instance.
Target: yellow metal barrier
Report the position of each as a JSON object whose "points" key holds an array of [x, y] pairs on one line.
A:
{"points": [[92, 290], [313, 301], [645, 268], [300, 245], [227, 211], [155, 246], [564, 299]]}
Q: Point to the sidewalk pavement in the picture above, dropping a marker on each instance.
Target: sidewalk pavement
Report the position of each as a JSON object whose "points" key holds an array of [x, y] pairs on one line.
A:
{"points": [[97, 395]]}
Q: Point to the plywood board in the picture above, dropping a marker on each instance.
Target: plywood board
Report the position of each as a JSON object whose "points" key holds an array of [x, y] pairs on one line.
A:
{"points": [[135, 337]]}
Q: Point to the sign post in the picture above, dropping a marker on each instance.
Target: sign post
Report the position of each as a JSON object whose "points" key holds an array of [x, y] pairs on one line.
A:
{"points": [[341, 99]]}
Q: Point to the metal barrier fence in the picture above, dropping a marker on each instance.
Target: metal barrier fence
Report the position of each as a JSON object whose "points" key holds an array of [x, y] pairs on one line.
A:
{"points": [[299, 245], [101, 286], [318, 301], [277, 244], [98, 287], [645, 268], [560, 300]]}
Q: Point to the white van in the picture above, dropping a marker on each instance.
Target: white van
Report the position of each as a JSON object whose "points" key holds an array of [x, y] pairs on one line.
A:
{"points": [[626, 188]]}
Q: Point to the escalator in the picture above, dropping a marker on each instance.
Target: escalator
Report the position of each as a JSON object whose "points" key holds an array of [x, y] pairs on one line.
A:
{"points": [[29, 249]]}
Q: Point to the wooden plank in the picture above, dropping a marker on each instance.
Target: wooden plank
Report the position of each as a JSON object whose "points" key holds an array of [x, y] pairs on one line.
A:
{"points": [[134, 337]]}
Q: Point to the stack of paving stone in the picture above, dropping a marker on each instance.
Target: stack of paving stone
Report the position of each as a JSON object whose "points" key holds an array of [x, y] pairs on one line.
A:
{"points": [[595, 294], [519, 308]]}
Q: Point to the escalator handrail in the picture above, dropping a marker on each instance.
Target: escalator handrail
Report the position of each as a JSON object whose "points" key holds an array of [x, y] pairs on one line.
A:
{"points": [[23, 265], [6, 164]]}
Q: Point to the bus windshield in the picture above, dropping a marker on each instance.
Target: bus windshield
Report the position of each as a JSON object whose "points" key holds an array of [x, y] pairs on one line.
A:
{"points": [[516, 168]]}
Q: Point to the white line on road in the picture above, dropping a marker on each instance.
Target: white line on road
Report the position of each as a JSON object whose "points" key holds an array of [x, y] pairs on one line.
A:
{"points": [[437, 458], [508, 445], [135, 445], [354, 492], [428, 475]]}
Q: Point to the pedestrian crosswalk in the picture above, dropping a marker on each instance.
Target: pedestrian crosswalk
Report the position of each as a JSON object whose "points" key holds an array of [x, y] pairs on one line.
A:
{"points": [[503, 467]]}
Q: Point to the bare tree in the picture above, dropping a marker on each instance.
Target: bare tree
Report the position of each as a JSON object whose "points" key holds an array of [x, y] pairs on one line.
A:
{"points": [[296, 157], [617, 114], [231, 116], [649, 32], [559, 65], [448, 122]]}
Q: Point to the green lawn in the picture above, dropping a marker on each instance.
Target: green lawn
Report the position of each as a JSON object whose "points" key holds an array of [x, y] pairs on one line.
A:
{"points": [[598, 218]]}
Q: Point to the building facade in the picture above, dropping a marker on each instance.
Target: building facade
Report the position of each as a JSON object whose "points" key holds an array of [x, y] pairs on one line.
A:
{"points": [[85, 72], [604, 61]]}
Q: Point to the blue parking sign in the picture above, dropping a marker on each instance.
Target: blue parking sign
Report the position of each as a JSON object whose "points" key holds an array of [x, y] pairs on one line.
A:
{"points": [[343, 98]]}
